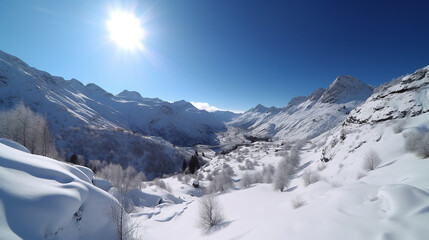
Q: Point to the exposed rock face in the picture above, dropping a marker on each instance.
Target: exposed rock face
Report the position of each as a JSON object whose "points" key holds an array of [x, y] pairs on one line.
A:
{"points": [[403, 97]]}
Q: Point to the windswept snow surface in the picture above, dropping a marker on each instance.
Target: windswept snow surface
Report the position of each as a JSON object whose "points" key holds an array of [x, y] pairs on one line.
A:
{"points": [[41, 198]]}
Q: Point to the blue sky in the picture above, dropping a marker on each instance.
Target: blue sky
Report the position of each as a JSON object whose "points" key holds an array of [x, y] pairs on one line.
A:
{"points": [[230, 54]]}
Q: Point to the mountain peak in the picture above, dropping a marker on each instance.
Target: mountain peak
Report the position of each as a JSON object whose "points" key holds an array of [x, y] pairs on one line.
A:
{"points": [[316, 94], [346, 88], [260, 108], [130, 95]]}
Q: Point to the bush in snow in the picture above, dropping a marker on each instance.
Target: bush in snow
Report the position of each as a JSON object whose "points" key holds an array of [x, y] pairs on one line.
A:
{"points": [[310, 177], [228, 170], [249, 165], [294, 156], [96, 165], [423, 149], [179, 177], [282, 175], [417, 141], [123, 179], [371, 161], [297, 203], [220, 183], [210, 213], [160, 183], [267, 173], [399, 127], [247, 180]]}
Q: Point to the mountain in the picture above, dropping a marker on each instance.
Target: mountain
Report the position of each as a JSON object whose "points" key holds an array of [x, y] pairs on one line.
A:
{"points": [[307, 117], [126, 127], [254, 116]]}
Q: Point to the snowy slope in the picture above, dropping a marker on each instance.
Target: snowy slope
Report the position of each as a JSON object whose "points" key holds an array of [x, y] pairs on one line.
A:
{"points": [[307, 117], [390, 202], [41, 198]]}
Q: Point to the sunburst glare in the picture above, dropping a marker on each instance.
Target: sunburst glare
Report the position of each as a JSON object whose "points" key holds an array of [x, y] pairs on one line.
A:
{"points": [[125, 30]]}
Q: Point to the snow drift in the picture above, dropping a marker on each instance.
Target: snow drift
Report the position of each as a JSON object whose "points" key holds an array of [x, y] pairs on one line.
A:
{"points": [[41, 198]]}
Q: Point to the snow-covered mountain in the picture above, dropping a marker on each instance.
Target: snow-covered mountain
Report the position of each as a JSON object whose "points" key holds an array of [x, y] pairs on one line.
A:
{"points": [[113, 127], [403, 97], [307, 117], [178, 122], [399, 100]]}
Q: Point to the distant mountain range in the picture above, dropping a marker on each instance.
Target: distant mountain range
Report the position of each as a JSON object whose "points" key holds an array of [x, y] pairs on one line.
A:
{"points": [[90, 121], [307, 117]]}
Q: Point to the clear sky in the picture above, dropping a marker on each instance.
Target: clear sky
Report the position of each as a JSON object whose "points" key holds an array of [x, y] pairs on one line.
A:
{"points": [[232, 54]]}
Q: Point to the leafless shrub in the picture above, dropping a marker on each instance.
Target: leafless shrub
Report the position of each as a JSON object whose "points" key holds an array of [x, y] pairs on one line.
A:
{"points": [[210, 213], [371, 161], [417, 141], [126, 228], [310, 177], [297, 203], [268, 173], [282, 176], [220, 183], [247, 180]]}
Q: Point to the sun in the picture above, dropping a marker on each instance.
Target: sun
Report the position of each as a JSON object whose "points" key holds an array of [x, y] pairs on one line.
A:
{"points": [[125, 30]]}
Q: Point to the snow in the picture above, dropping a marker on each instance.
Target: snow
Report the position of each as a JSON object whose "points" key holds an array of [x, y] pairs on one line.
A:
{"points": [[339, 125], [390, 202], [14, 145], [41, 198]]}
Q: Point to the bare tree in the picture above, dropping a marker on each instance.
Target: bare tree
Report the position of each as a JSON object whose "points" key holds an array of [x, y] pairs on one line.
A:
{"points": [[126, 228], [371, 161], [310, 177], [210, 212], [247, 180], [28, 128], [281, 179]]}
